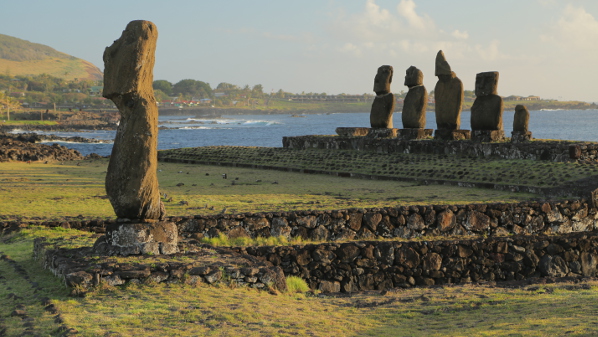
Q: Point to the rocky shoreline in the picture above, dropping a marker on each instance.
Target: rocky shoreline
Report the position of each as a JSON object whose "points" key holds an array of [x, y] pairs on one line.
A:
{"points": [[26, 147]]}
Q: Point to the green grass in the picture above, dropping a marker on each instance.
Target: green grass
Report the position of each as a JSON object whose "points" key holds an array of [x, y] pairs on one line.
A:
{"points": [[180, 310], [23, 122], [398, 165], [76, 189]]}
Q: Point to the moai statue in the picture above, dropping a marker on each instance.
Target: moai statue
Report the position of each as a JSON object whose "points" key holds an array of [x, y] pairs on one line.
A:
{"points": [[384, 103], [131, 180], [448, 94], [487, 109], [521, 131], [416, 101], [414, 106]]}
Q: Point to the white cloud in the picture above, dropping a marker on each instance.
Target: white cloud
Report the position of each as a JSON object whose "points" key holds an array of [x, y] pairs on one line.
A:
{"points": [[459, 35], [406, 9], [489, 53], [576, 28]]}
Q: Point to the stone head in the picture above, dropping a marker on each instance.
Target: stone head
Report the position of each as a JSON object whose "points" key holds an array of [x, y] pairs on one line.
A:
{"points": [[129, 61], [442, 66], [414, 77], [383, 79], [486, 83]]}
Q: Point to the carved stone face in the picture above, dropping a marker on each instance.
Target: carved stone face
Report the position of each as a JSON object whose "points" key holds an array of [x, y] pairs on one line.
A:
{"points": [[383, 79], [486, 83], [414, 77], [136, 46]]}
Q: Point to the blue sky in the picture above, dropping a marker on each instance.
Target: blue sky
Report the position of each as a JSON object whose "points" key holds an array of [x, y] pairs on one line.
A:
{"points": [[540, 47]]}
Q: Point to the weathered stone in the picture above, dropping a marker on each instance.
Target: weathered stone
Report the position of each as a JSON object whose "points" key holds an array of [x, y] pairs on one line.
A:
{"points": [[77, 278], [280, 227], [382, 133], [521, 119], [351, 132], [588, 264], [320, 233], [486, 136], [553, 266], [407, 257], [329, 287], [432, 261], [446, 220], [416, 100], [348, 253], [448, 94], [477, 222], [487, 109], [416, 222], [213, 277], [131, 180], [273, 277], [444, 134], [384, 103], [141, 237], [408, 134]]}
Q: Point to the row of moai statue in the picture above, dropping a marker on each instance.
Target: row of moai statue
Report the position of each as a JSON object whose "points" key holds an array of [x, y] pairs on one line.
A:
{"points": [[486, 112]]}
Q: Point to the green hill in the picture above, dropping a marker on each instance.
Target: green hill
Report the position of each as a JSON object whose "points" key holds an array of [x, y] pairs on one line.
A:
{"points": [[20, 57]]}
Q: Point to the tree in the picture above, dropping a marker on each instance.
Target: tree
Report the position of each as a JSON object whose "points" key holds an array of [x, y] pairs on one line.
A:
{"points": [[257, 91], [192, 88], [164, 86], [227, 86]]}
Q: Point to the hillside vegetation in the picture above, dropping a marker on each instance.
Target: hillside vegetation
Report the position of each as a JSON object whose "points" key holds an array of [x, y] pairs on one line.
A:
{"points": [[20, 57]]}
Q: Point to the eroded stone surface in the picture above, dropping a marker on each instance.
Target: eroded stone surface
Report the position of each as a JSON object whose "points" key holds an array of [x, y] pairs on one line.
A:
{"points": [[384, 103], [521, 119], [448, 94], [131, 181], [487, 109], [416, 101]]}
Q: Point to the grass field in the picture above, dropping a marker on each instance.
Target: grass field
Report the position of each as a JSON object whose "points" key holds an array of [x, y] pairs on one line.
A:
{"points": [[76, 189], [181, 310], [399, 165], [34, 302]]}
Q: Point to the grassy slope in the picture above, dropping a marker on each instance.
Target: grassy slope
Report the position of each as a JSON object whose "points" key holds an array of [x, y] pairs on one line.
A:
{"points": [[20, 57]]}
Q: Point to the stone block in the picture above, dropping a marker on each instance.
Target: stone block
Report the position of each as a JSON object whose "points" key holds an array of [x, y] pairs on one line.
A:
{"points": [[445, 134], [486, 136], [407, 134], [352, 132], [382, 133], [521, 137]]}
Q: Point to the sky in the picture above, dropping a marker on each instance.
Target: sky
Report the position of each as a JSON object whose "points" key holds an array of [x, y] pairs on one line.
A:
{"points": [[547, 48]]}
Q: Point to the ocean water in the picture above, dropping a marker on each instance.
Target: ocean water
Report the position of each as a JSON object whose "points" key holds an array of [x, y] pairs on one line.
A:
{"points": [[268, 130]]}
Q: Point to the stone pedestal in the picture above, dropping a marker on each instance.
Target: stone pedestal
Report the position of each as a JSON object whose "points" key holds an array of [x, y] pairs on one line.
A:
{"points": [[521, 137], [486, 136], [446, 134], [382, 133], [408, 134], [136, 238], [352, 132]]}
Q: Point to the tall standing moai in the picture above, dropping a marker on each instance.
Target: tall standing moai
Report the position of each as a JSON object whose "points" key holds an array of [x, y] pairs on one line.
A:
{"points": [[383, 105], [448, 94], [131, 180], [414, 106], [521, 131], [487, 109]]}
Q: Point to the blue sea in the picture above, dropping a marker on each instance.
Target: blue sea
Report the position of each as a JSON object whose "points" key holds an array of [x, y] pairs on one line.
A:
{"points": [[268, 130]]}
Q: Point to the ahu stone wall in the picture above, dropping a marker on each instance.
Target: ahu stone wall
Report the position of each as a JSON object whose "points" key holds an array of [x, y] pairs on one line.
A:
{"points": [[375, 265], [537, 150]]}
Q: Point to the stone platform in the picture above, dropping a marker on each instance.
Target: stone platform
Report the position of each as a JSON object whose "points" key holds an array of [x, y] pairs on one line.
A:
{"points": [[409, 134], [521, 137], [487, 136], [444, 134]]}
